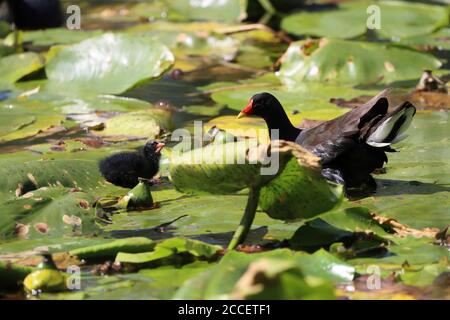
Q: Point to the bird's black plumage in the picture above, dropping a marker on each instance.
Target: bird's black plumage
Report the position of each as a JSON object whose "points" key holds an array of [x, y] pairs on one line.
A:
{"points": [[125, 168], [351, 146], [35, 14]]}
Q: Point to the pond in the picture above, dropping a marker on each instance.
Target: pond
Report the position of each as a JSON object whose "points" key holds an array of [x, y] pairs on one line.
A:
{"points": [[140, 70]]}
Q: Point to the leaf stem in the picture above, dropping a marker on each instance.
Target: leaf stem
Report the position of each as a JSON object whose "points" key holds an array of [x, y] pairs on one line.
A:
{"points": [[247, 219]]}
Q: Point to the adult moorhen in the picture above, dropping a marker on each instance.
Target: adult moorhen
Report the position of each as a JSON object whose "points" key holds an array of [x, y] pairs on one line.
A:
{"points": [[125, 168], [351, 146], [35, 14]]}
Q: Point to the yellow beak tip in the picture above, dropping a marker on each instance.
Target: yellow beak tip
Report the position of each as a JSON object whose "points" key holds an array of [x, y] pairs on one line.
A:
{"points": [[240, 115]]}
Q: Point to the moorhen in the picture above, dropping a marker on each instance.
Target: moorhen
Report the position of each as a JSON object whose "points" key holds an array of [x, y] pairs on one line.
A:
{"points": [[35, 14], [351, 146], [125, 168]]}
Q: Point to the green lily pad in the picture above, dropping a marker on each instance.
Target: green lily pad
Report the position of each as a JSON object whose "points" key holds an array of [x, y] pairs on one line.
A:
{"points": [[20, 119], [186, 40], [426, 275], [138, 124], [111, 63], [397, 20], [310, 99], [415, 189], [216, 10], [48, 212], [170, 248], [110, 249], [352, 62], [280, 198], [230, 167], [12, 275], [16, 66], [439, 39], [53, 36], [189, 175], [236, 274]]}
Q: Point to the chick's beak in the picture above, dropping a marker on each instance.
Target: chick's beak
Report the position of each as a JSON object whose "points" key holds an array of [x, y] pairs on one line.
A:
{"points": [[159, 147], [246, 111]]}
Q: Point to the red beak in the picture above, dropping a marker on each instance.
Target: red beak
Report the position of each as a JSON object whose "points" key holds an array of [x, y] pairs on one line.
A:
{"points": [[247, 110], [159, 146]]}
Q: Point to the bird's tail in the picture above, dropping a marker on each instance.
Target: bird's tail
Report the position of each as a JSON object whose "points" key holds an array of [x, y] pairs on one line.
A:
{"points": [[391, 129]]}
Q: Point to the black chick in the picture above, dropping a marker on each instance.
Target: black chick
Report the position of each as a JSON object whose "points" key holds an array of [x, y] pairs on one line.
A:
{"points": [[123, 169]]}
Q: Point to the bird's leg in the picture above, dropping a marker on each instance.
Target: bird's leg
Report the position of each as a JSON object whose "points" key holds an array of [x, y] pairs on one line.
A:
{"points": [[247, 219]]}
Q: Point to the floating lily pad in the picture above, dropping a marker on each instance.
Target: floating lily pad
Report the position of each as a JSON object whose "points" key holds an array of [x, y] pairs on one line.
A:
{"points": [[110, 249], [235, 277], [20, 119], [16, 66], [439, 40], [111, 63], [216, 10], [230, 167], [48, 212], [352, 62], [53, 36], [349, 20], [138, 124]]}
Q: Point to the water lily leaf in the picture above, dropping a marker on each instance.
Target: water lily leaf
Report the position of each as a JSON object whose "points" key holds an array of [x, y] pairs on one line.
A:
{"points": [[20, 119], [224, 280], [439, 40], [352, 62], [280, 198], [148, 123], [397, 24], [16, 66], [426, 275], [53, 36], [5, 50], [217, 175], [45, 280], [48, 212], [218, 168], [111, 63], [139, 197], [31, 175], [145, 257], [305, 100], [334, 23], [169, 248], [12, 275], [193, 247], [280, 279], [186, 39], [349, 20], [415, 190], [323, 264], [110, 249], [353, 227], [218, 10]]}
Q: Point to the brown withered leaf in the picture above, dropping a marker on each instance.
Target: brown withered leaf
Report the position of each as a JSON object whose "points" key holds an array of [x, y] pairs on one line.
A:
{"points": [[72, 220], [19, 190], [404, 230], [32, 179], [41, 227], [84, 204], [21, 230]]}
